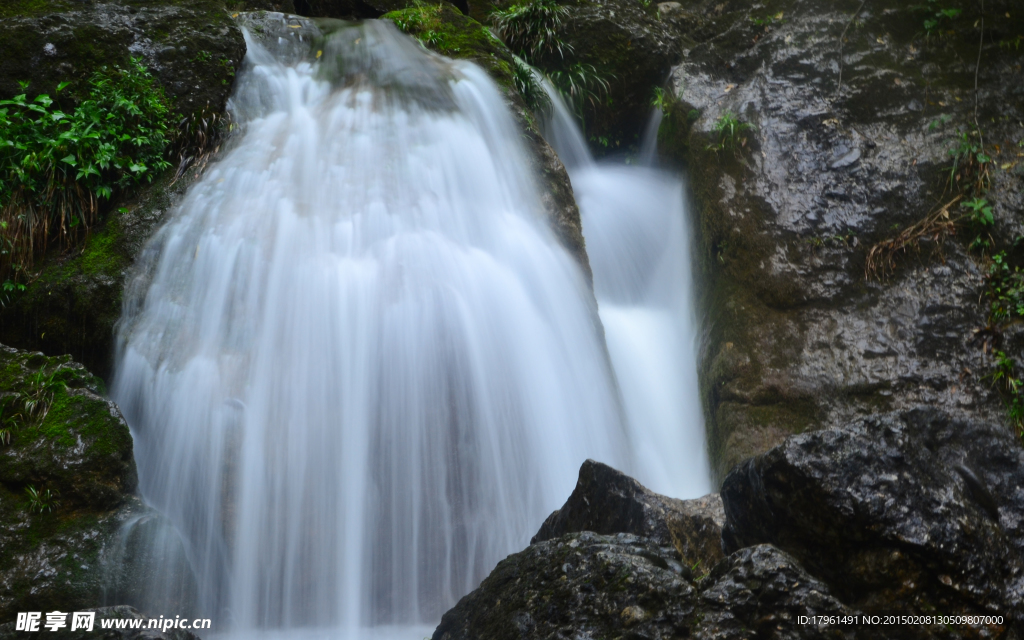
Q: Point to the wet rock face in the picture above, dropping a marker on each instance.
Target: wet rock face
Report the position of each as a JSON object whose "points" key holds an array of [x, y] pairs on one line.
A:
{"points": [[813, 173], [607, 501], [910, 513]]}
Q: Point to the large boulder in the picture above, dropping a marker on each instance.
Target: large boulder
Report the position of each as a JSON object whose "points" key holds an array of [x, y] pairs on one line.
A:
{"points": [[632, 580], [67, 493], [915, 513], [607, 501], [814, 132], [577, 586]]}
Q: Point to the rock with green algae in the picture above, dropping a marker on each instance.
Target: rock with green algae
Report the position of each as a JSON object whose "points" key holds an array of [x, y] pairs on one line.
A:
{"points": [[811, 175], [67, 490]]}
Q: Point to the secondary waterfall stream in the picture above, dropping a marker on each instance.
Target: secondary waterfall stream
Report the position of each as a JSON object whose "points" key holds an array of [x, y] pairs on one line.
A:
{"points": [[358, 366]]}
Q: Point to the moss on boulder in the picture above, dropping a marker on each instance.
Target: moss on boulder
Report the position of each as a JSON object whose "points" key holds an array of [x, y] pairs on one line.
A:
{"points": [[76, 451]]}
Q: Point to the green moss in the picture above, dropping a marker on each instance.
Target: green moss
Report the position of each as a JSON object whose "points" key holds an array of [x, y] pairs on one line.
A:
{"points": [[442, 28], [17, 8]]}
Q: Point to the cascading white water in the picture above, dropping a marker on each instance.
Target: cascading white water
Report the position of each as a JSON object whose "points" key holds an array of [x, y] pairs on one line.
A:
{"points": [[360, 369], [636, 227]]}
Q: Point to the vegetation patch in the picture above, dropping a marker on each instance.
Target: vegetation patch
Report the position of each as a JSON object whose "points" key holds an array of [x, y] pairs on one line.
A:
{"points": [[57, 168], [533, 31]]}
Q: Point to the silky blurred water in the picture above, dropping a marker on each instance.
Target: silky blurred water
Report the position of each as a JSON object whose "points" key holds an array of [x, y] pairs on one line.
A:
{"points": [[636, 225], [358, 366]]}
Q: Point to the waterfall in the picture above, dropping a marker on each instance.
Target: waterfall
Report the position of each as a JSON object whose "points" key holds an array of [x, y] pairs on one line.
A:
{"points": [[358, 366], [636, 226]]}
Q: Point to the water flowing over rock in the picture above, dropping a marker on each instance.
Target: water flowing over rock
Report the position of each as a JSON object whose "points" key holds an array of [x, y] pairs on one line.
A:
{"points": [[359, 364], [636, 220]]}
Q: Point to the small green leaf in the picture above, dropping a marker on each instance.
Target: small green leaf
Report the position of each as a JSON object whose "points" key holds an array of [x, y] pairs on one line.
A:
{"points": [[70, 159]]}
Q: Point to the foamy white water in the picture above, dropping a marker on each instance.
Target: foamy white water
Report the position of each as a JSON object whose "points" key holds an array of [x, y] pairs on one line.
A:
{"points": [[361, 370], [637, 230]]}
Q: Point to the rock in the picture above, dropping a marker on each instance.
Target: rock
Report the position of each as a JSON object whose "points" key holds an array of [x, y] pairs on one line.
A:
{"points": [[607, 501], [761, 592], [62, 434], [581, 585], [121, 612], [912, 513], [800, 338], [59, 549], [193, 48], [585, 585], [633, 50]]}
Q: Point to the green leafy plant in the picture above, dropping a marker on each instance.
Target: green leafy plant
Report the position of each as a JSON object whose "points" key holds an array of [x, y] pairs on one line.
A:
{"points": [[939, 17], [56, 167], [533, 29], [767, 21], [979, 211], [529, 86], [1005, 289], [1004, 376], [970, 169], [580, 85], [41, 501], [730, 130], [662, 101]]}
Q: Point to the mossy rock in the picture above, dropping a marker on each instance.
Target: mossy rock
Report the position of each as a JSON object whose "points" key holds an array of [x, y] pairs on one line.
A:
{"points": [[75, 452], [63, 436], [191, 46]]}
